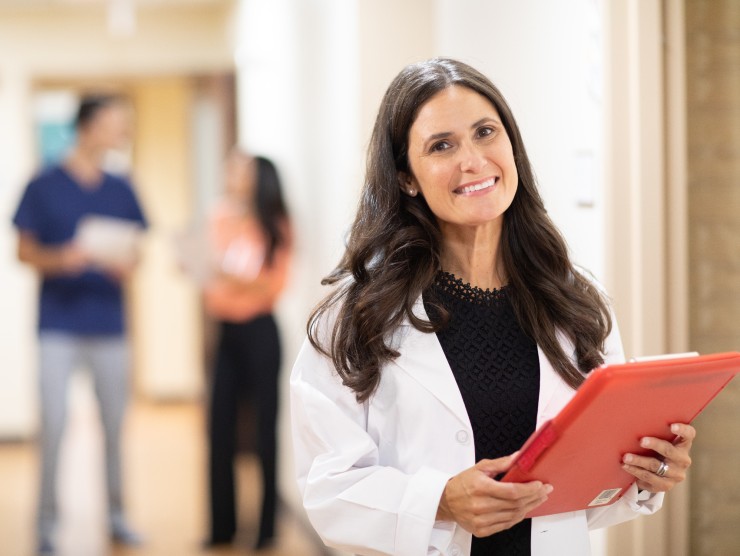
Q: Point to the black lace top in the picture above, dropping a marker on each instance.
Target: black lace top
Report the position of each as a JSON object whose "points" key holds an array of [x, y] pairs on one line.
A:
{"points": [[497, 370]]}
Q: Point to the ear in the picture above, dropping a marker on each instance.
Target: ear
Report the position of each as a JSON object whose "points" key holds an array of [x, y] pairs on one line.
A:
{"points": [[407, 183]]}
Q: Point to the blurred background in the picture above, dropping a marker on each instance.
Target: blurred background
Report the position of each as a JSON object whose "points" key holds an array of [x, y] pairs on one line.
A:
{"points": [[630, 111]]}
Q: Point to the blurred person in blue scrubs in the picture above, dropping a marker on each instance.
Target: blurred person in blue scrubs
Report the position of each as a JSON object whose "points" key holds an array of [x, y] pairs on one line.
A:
{"points": [[78, 227]]}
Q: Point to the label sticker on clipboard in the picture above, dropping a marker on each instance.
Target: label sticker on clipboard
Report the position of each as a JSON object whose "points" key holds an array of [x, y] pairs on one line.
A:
{"points": [[605, 497]]}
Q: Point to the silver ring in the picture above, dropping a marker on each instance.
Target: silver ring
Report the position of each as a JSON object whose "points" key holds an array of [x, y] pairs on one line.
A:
{"points": [[662, 470]]}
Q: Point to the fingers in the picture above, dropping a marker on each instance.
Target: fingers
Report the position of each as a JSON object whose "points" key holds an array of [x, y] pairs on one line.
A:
{"points": [[673, 453], [493, 467], [482, 484], [685, 433], [484, 506], [504, 514], [509, 491], [645, 470], [662, 473]]}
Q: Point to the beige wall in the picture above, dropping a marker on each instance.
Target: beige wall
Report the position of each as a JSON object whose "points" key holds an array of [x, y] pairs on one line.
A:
{"points": [[713, 100], [71, 40], [167, 334]]}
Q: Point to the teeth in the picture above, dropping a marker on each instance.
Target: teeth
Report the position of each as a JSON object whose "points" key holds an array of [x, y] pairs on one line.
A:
{"points": [[478, 187]]}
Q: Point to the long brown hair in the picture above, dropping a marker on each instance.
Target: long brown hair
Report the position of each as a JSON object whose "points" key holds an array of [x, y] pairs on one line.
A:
{"points": [[393, 251], [271, 207]]}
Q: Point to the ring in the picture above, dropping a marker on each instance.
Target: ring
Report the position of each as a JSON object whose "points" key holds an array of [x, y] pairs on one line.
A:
{"points": [[662, 470]]}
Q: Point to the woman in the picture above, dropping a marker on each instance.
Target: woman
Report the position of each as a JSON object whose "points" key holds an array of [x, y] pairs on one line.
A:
{"points": [[250, 235], [458, 324]]}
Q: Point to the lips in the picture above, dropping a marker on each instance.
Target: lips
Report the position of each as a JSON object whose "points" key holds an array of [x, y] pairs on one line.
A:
{"points": [[472, 188]]}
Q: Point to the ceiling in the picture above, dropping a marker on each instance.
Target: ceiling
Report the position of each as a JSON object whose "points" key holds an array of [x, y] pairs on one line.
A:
{"points": [[78, 3]]}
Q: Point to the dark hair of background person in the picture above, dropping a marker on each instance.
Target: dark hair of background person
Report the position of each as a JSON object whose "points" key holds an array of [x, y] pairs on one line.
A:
{"points": [[90, 105], [271, 207], [393, 251]]}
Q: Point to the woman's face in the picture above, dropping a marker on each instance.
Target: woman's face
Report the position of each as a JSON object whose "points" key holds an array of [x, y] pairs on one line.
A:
{"points": [[241, 177], [461, 159]]}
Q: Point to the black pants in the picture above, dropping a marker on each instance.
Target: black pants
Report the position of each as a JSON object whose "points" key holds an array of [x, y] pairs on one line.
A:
{"points": [[247, 366]]}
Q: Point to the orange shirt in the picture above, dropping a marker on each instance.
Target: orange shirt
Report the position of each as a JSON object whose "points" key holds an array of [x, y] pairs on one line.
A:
{"points": [[244, 285]]}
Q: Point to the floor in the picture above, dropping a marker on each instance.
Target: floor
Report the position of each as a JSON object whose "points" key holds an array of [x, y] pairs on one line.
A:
{"points": [[165, 488]]}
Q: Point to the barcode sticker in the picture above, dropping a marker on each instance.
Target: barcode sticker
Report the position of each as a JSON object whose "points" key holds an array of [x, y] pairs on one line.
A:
{"points": [[605, 497]]}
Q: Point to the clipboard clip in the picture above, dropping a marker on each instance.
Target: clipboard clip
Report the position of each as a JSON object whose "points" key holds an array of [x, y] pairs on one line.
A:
{"points": [[664, 357]]}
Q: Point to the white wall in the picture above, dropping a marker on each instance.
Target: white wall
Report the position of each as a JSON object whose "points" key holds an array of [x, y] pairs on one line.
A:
{"points": [[547, 59], [17, 302]]}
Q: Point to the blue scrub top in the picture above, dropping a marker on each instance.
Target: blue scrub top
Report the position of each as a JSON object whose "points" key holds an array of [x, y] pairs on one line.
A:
{"points": [[51, 206]]}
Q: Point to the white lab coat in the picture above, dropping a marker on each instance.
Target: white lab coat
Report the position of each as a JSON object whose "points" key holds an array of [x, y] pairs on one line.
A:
{"points": [[371, 475]]}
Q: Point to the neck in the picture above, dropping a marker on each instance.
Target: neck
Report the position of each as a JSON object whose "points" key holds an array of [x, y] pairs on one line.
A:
{"points": [[84, 163], [238, 202], [471, 254]]}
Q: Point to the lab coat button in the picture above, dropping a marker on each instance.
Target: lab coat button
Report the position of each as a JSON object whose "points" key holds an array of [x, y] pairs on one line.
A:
{"points": [[462, 436], [456, 551]]}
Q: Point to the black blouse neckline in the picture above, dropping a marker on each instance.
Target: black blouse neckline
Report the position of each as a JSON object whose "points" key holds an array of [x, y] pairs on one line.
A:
{"points": [[456, 287]]}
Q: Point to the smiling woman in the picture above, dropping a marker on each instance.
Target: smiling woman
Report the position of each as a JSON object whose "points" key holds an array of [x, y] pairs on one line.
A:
{"points": [[458, 324], [462, 162]]}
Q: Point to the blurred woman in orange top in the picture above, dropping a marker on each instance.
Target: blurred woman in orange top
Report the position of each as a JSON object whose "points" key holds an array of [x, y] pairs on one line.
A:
{"points": [[250, 239]]}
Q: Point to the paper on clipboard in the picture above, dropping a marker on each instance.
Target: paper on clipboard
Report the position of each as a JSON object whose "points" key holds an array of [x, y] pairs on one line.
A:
{"points": [[109, 241], [194, 254], [240, 258]]}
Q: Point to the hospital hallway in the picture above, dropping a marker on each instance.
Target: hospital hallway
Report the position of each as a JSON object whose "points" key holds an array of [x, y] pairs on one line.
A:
{"points": [[164, 474]]}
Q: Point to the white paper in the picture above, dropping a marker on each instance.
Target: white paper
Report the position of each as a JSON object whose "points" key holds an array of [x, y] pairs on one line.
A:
{"points": [[109, 241]]}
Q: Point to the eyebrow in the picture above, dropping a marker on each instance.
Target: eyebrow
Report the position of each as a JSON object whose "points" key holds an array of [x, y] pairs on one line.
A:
{"points": [[484, 120], [445, 134]]}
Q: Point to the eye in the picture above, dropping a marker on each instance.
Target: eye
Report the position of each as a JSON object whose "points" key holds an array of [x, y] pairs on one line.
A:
{"points": [[440, 146], [485, 131]]}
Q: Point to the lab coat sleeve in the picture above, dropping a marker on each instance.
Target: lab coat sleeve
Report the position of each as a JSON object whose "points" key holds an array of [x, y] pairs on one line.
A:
{"points": [[355, 503], [631, 505]]}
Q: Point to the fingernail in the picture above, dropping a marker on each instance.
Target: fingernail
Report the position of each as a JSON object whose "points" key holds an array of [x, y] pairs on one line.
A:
{"points": [[549, 489], [644, 443], [675, 428], [628, 458]]}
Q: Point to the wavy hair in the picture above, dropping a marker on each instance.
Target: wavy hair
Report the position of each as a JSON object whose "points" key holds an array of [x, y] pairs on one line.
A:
{"points": [[393, 251]]}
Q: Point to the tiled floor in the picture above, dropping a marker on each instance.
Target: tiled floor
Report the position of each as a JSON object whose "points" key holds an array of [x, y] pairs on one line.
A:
{"points": [[165, 488]]}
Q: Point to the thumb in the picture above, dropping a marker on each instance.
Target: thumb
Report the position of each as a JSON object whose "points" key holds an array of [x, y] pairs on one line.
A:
{"points": [[493, 467]]}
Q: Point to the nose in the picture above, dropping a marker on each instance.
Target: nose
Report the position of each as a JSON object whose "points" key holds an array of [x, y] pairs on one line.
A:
{"points": [[472, 160]]}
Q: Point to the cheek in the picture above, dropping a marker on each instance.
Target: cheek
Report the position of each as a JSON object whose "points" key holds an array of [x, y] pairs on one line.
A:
{"points": [[433, 179], [514, 176]]}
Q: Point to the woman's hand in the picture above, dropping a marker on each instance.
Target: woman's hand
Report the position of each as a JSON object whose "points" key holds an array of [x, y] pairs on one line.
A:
{"points": [[484, 506], [655, 475]]}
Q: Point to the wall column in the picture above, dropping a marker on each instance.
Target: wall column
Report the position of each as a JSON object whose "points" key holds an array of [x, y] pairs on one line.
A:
{"points": [[644, 268], [18, 295]]}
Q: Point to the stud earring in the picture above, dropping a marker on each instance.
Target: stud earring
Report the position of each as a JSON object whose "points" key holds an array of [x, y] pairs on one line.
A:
{"points": [[412, 192]]}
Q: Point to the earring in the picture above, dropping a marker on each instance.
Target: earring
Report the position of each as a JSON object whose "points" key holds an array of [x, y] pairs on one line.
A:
{"points": [[411, 191]]}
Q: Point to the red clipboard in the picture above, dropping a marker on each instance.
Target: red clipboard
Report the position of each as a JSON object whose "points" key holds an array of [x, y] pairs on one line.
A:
{"points": [[580, 450]]}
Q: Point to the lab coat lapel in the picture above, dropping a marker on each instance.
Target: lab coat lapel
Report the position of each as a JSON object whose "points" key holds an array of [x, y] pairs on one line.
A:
{"points": [[554, 391], [424, 360]]}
